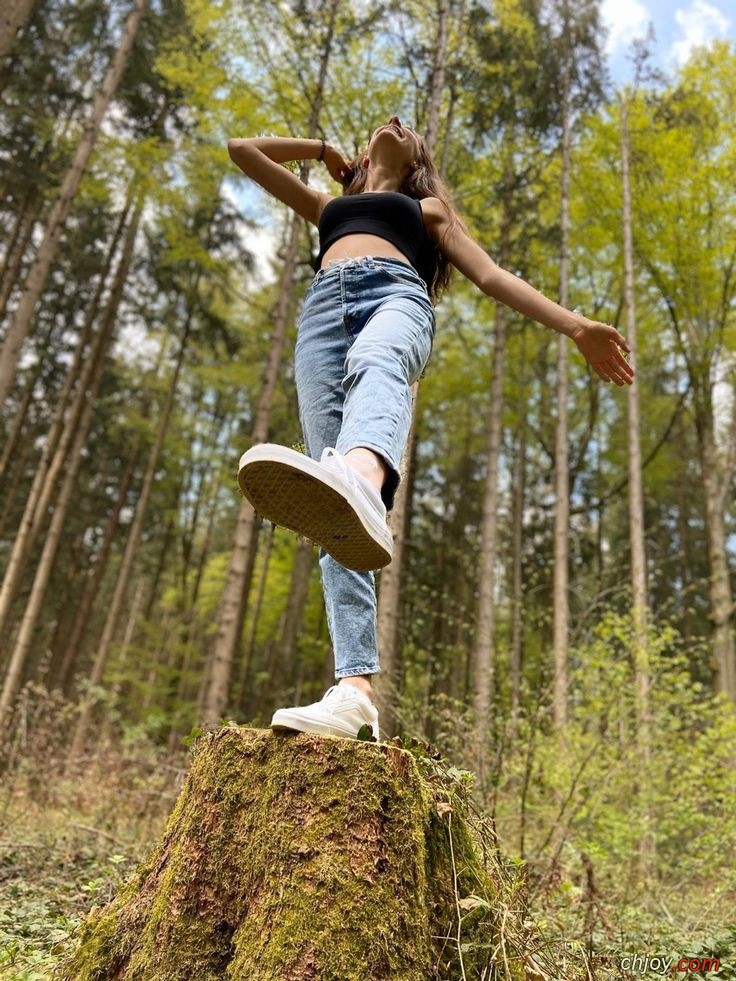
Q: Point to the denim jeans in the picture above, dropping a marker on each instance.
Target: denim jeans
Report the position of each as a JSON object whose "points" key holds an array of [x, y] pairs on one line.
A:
{"points": [[365, 335]]}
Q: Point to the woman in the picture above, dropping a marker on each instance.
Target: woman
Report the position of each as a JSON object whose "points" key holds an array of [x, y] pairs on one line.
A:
{"points": [[365, 335]]}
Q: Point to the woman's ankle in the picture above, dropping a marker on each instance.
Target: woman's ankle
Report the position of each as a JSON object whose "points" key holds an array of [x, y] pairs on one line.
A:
{"points": [[361, 682], [368, 464]]}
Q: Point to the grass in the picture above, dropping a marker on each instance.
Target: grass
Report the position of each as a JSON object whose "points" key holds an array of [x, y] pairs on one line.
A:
{"points": [[67, 841]]}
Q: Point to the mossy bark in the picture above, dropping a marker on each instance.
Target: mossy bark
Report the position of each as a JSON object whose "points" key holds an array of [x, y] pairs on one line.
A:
{"points": [[296, 857]]}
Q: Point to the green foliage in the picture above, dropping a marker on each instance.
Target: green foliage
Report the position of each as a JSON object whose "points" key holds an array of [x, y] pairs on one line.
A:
{"points": [[41, 907], [615, 784], [620, 819]]}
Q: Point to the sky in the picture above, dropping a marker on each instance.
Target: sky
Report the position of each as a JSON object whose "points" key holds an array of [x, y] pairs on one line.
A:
{"points": [[679, 26]]}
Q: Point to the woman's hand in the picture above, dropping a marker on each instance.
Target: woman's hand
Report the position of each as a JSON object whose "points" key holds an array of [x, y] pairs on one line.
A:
{"points": [[335, 164], [601, 346]]}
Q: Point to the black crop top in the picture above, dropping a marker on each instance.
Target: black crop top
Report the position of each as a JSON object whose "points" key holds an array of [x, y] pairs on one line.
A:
{"points": [[395, 217]]}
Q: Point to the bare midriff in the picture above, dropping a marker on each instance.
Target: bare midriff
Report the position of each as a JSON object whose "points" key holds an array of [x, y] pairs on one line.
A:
{"points": [[356, 246]]}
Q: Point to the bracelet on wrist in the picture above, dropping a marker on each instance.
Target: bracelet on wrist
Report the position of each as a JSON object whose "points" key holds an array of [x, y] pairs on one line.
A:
{"points": [[321, 156]]}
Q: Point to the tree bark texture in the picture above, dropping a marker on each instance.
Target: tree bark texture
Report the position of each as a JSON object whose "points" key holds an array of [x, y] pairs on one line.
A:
{"points": [[16, 249], [15, 14], [390, 584], [483, 661], [561, 614], [301, 573], [639, 600], [437, 80], [65, 661], [244, 685], [517, 537], [720, 595], [301, 857]]}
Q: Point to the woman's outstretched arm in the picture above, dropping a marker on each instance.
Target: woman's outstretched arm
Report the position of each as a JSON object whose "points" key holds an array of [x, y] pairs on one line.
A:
{"points": [[600, 344], [261, 157]]}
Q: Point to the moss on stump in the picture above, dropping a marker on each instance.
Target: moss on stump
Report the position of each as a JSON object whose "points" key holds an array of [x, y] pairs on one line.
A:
{"points": [[297, 857]]}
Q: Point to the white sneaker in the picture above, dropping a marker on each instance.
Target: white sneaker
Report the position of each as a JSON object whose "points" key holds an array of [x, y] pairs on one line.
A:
{"points": [[342, 711], [326, 502]]}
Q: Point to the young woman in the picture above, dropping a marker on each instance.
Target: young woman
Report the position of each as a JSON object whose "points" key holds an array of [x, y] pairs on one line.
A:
{"points": [[365, 335]]}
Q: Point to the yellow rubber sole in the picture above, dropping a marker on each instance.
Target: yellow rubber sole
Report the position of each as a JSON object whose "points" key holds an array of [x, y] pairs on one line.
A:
{"points": [[289, 492]]}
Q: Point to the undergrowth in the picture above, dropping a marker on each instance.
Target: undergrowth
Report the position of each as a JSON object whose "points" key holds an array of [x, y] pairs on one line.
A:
{"points": [[622, 851], [70, 833], [602, 854]]}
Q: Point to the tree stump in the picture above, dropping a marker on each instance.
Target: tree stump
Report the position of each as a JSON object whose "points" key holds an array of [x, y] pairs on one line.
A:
{"points": [[292, 857]]}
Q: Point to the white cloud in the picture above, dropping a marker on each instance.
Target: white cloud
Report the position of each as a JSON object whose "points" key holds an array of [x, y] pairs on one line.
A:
{"points": [[699, 23], [625, 20]]}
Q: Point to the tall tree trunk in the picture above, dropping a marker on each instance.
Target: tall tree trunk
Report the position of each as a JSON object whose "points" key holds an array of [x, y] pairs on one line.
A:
{"points": [[184, 692], [24, 640], [64, 424], [231, 614], [482, 657], [684, 562], [482, 654], [640, 603], [106, 729], [17, 249], [11, 250], [36, 280], [716, 486], [17, 467], [16, 429], [517, 533], [65, 464], [301, 572], [392, 577], [562, 478], [437, 80], [247, 659], [131, 548], [390, 585], [61, 674], [14, 15]]}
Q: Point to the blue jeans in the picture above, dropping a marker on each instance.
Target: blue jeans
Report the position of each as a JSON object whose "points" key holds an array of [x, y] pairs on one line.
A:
{"points": [[365, 335]]}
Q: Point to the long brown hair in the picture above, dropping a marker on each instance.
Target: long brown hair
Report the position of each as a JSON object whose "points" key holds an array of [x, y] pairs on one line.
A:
{"points": [[422, 181]]}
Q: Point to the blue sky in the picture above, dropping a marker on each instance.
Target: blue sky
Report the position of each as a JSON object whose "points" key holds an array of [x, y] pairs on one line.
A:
{"points": [[679, 26]]}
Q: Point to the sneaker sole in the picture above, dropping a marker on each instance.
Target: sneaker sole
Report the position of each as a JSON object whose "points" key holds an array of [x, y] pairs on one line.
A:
{"points": [[290, 492], [288, 722]]}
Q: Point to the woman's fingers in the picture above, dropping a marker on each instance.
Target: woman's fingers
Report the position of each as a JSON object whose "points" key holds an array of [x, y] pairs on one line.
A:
{"points": [[621, 365], [610, 371]]}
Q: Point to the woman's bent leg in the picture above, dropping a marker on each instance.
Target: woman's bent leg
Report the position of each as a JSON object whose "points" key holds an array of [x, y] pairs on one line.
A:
{"points": [[386, 358]]}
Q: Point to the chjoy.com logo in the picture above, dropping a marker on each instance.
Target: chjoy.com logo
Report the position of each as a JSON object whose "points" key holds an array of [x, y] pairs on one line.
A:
{"points": [[654, 964]]}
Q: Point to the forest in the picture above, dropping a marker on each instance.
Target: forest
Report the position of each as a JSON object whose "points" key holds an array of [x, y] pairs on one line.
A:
{"points": [[559, 617]]}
